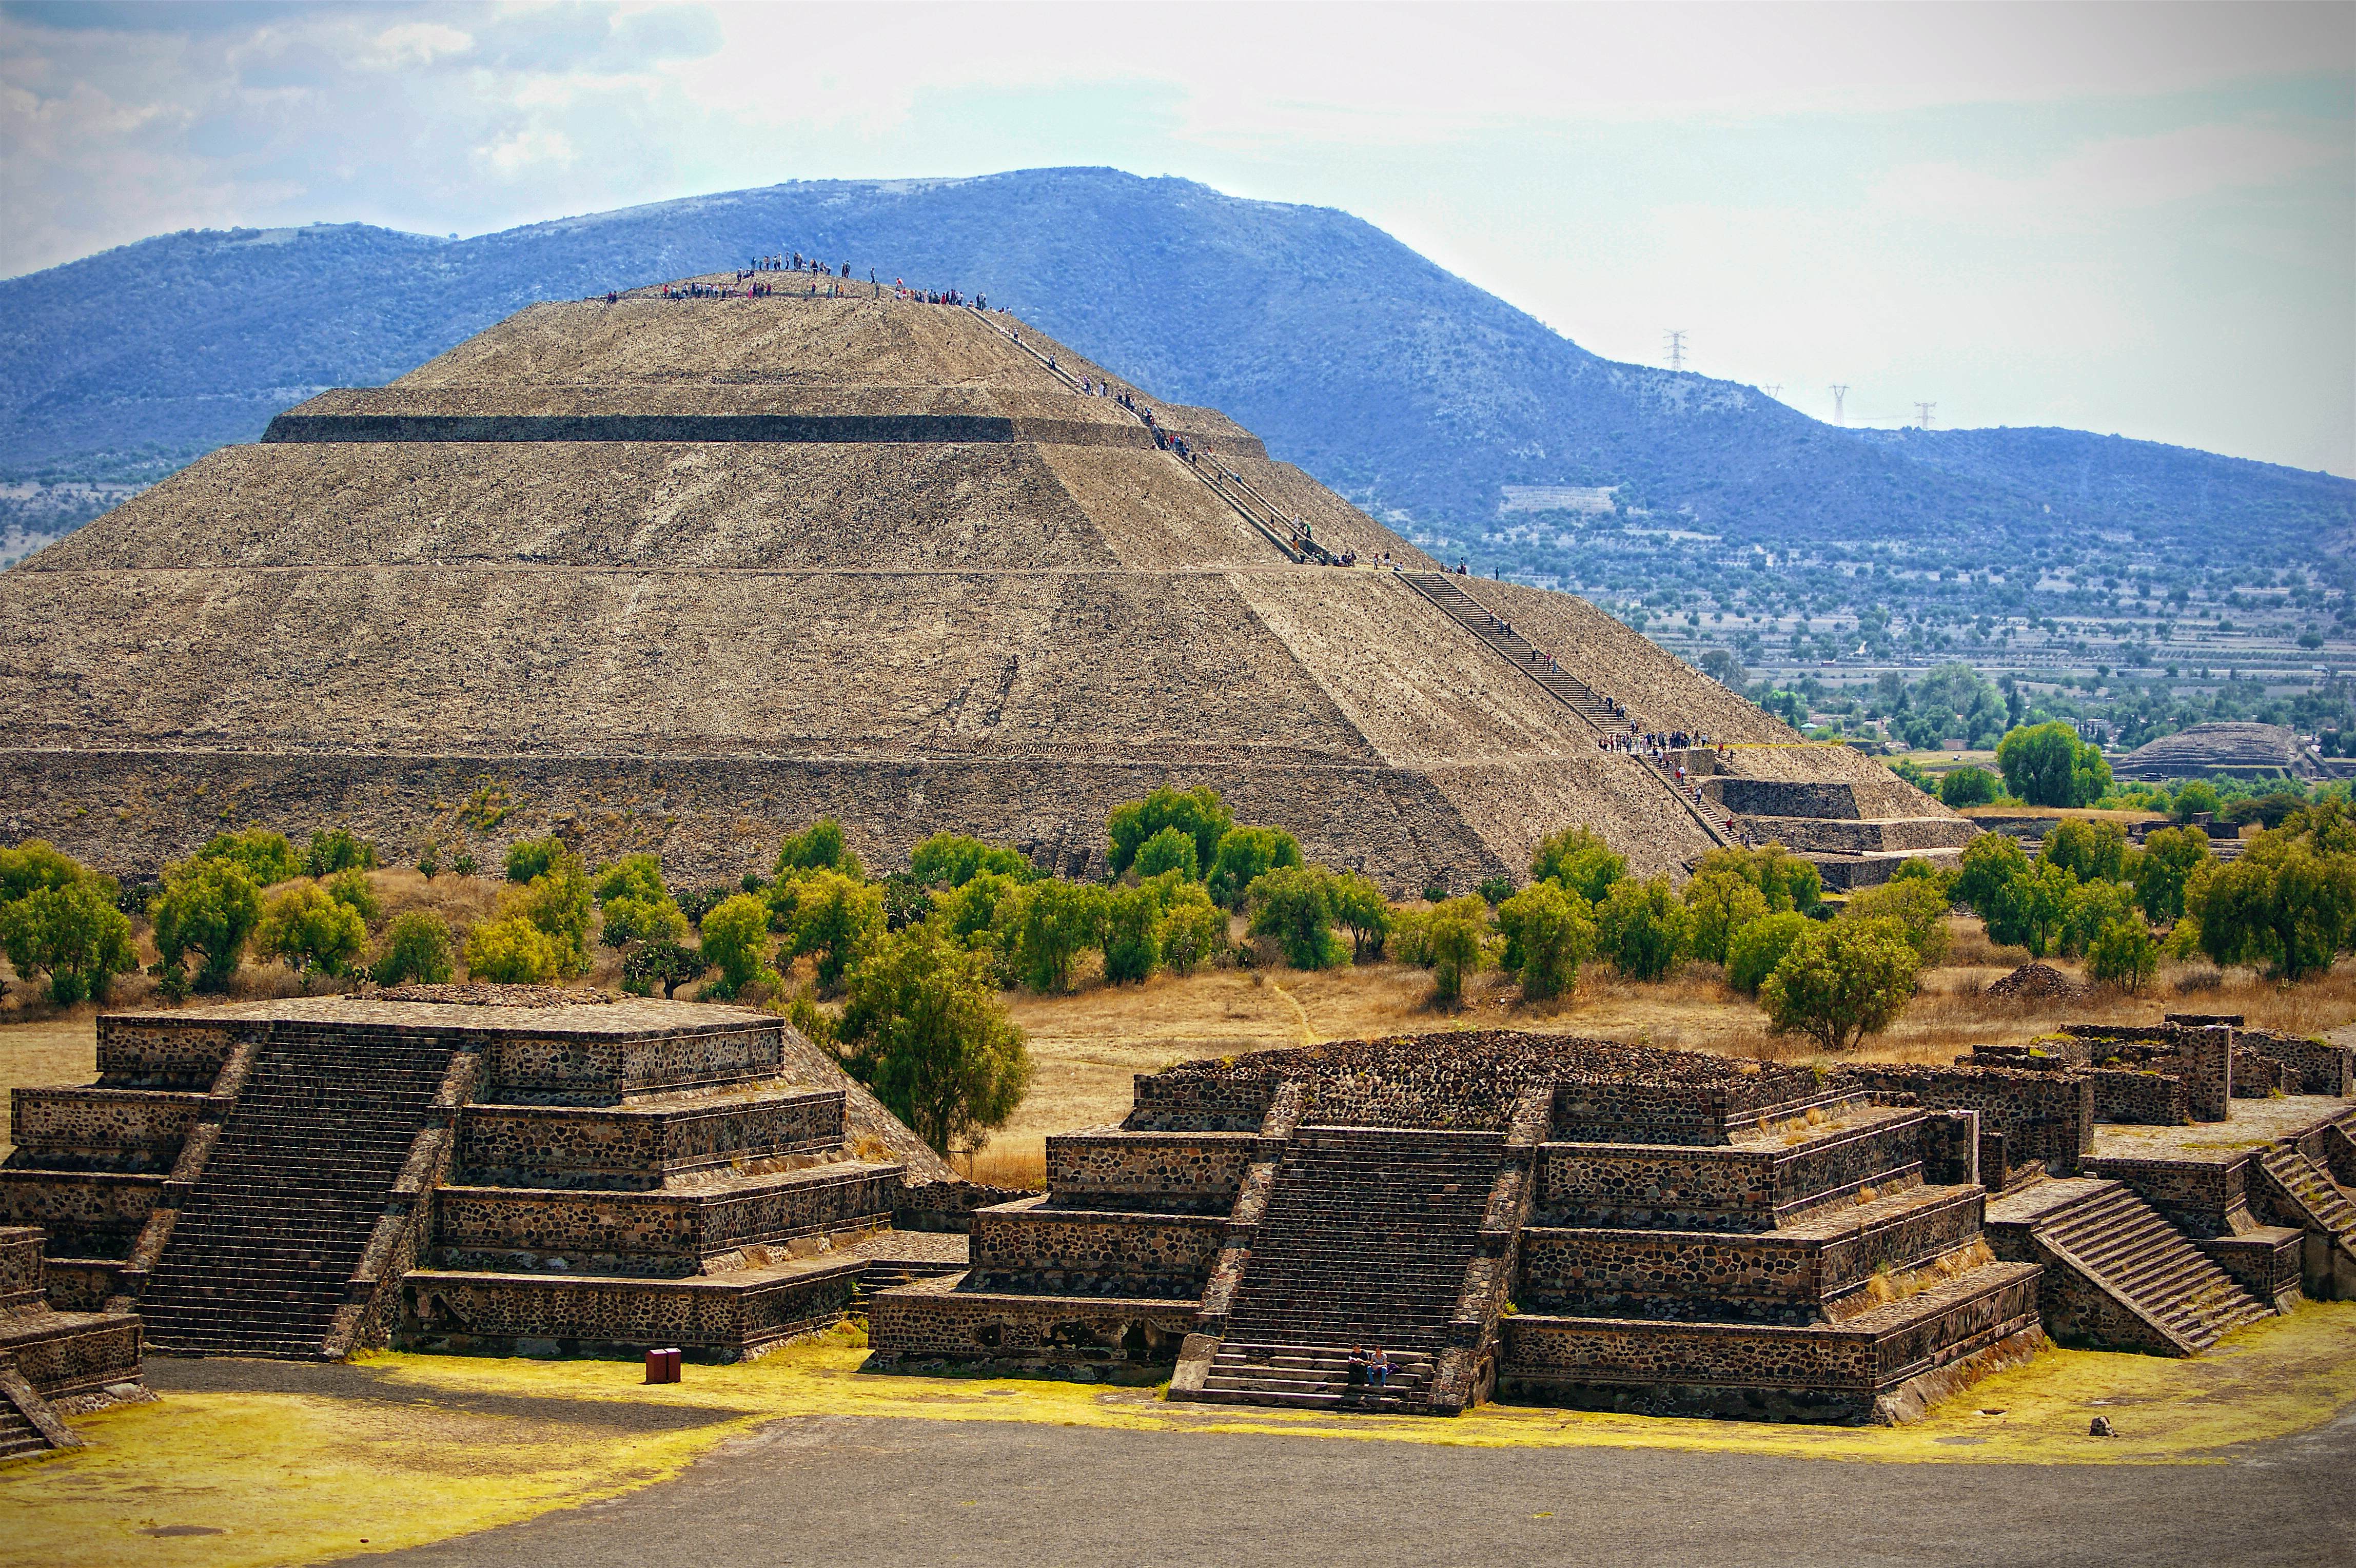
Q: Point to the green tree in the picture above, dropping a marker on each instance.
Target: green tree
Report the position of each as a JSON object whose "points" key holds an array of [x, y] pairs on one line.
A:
{"points": [[1194, 929], [264, 855], [1198, 813], [1293, 905], [1722, 903], [667, 965], [1171, 849], [2093, 908], [1841, 981], [1452, 931], [1782, 879], [1133, 920], [1053, 923], [970, 913], [1360, 909], [310, 931], [2194, 798], [529, 859], [923, 1028], [1755, 950], [416, 948], [2088, 850], [1548, 934], [821, 847], [557, 901], [736, 942], [511, 950], [1579, 861], [636, 906], [2048, 765], [1967, 787], [351, 887], [1640, 927], [837, 919], [71, 932], [1919, 908], [335, 849], [1990, 862], [2170, 859], [1246, 854], [209, 906], [2124, 955], [2281, 904], [952, 860], [32, 866]]}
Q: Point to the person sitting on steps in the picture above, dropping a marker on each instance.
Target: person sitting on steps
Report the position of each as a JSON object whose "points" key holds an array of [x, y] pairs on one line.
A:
{"points": [[1354, 1375], [1378, 1372]]}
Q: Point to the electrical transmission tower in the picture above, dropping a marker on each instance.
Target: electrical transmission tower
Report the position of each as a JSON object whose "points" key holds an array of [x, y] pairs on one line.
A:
{"points": [[1922, 412], [1676, 341], [1839, 393], [1776, 392]]}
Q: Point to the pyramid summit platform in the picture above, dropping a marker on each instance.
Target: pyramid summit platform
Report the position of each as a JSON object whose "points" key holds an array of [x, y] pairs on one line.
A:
{"points": [[674, 574]]}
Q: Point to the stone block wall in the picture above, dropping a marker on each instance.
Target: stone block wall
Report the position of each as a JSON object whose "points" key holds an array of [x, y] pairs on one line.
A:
{"points": [[1740, 1188], [930, 1320], [2323, 1069], [161, 1051], [1174, 1173], [2207, 1062], [606, 1067], [618, 1147], [2146, 1099], [1162, 1103], [2199, 1198], [21, 1273], [1782, 798], [2042, 1115], [720, 1319], [67, 1356], [1030, 1246], [94, 1214], [103, 1129]]}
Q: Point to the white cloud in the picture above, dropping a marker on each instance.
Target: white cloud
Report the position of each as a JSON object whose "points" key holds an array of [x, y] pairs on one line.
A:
{"points": [[418, 43], [529, 152], [2113, 174]]}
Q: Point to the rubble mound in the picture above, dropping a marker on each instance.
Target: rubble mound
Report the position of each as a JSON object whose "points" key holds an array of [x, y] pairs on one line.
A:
{"points": [[2038, 983], [486, 995]]}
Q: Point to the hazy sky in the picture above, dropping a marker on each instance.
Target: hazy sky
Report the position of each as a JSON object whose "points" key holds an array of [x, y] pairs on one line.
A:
{"points": [[2121, 217]]}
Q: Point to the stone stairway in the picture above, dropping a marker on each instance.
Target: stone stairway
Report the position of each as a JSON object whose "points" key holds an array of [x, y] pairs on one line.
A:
{"points": [[2295, 1190], [19, 1438], [1315, 1375], [2328, 1208], [259, 1260], [1366, 1239], [2155, 1291]]}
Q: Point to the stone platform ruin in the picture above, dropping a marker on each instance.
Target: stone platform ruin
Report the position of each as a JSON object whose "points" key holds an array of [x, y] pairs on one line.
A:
{"points": [[434, 1169], [1555, 1221], [680, 574], [53, 1363]]}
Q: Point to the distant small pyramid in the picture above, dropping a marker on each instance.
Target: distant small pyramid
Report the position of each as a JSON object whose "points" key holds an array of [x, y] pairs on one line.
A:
{"points": [[683, 569]]}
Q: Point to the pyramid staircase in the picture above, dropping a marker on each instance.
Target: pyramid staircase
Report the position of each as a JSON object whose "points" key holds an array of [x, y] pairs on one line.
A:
{"points": [[2116, 1272], [261, 1258], [19, 1438], [1366, 1240], [2295, 1190]]}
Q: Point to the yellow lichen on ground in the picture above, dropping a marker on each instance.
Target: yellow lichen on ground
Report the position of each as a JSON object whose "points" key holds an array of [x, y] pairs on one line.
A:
{"points": [[290, 1478]]}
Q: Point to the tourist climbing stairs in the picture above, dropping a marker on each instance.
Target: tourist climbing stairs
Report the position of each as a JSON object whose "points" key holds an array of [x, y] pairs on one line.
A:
{"points": [[2170, 1298], [266, 1244], [1575, 693], [1366, 1243]]}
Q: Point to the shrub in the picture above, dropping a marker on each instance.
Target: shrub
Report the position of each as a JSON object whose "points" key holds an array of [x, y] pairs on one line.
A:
{"points": [[1640, 927], [2091, 852], [1134, 930], [1755, 950], [2194, 798], [906, 901], [665, 963], [1495, 890], [1582, 862], [1967, 787], [2022, 905], [209, 906], [1194, 929], [1360, 909], [698, 902], [1052, 923], [350, 886], [263, 855], [2092, 909], [310, 931], [2170, 859], [1721, 903], [32, 866], [335, 849], [1782, 879], [925, 1030], [1196, 813], [1245, 856], [637, 907], [1410, 940], [969, 914], [511, 950], [529, 859], [416, 948], [821, 847], [736, 942], [1169, 850], [2048, 765], [557, 901], [1841, 981], [1548, 934], [1293, 905], [1452, 933], [1918, 906], [70, 931], [952, 860], [2123, 954], [2283, 903], [834, 918]]}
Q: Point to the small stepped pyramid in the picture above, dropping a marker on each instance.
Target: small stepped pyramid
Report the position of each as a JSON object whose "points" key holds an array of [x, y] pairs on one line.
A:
{"points": [[1366, 1241], [2150, 1288], [259, 1259], [2302, 1193]]}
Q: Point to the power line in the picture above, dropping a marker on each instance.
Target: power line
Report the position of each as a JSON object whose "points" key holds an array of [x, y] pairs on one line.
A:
{"points": [[1839, 393], [1775, 391], [1677, 340], [1922, 412]]}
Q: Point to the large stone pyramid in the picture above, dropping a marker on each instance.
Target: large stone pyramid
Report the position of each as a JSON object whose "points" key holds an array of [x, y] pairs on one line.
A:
{"points": [[676, 572]]}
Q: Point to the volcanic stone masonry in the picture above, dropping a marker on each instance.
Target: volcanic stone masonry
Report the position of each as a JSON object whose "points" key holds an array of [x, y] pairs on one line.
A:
{"points": [[1571, 1221], [676, 574]]}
